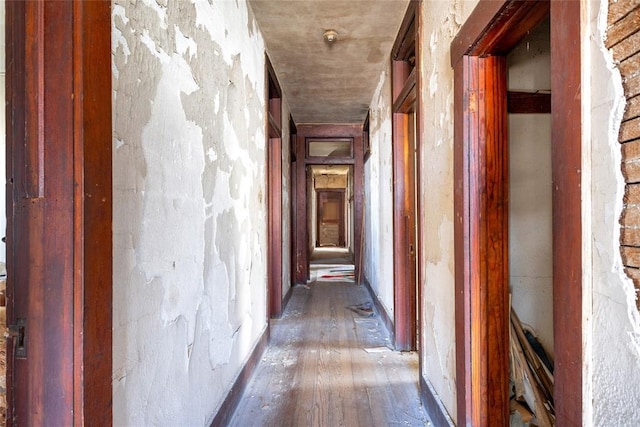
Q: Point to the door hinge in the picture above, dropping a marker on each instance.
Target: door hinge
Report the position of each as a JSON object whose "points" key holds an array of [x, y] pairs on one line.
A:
{"points": [[18, 332]]}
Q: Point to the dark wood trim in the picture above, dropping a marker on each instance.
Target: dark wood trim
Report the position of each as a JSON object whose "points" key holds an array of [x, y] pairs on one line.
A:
{"points": [[366, 141], [405, 39], [305, 131], [329, 130], [566, 139], [301, 265], [287, 297], [463, 117], [274, 190], [406, 100], [434, 407], [496, 26], [482, 278], [273, 130], [528, 103], [405, 150], [93, 201], [493, 29], [330, 161], [59, 239], [228, 407], [384, 316], [274, 206]]}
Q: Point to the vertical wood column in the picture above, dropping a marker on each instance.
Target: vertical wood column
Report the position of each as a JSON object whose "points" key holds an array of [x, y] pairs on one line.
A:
{"points": [[566, 134], [93, 257], [481, 237], [59, 246]]}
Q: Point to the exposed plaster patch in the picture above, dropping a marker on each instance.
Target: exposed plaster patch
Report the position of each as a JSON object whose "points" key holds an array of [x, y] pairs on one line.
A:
{"points": [[184, 44], [160, 7], [189, 216]]}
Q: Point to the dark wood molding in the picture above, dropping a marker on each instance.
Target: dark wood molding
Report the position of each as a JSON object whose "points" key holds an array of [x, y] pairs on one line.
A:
{"points": [[566, 136], [59, 205], [274, 207], [493, 29], [228, 407], [311, 131], [329, 130], [434, 407], [496, 26], [405, 149], [382, 312], [406, 100], [287, 297], [273, 150], [482, 333], [329, 161], [528, 102], [93, 179], [405, 41]]}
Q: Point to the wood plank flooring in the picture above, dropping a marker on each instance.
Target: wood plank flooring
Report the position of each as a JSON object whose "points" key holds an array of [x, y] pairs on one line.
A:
{"points": [[316, 371]]}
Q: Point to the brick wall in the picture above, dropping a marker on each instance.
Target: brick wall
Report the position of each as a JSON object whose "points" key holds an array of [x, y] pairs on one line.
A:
{"points": [[623, 38]]}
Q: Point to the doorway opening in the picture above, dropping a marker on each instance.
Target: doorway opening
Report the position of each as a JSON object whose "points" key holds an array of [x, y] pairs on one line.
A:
{"points": [[406, 152], [488, 262], [331, 216], [329, 196]]}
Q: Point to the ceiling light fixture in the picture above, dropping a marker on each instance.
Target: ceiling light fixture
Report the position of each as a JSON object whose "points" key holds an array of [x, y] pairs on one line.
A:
{"points": [[330, 36]]}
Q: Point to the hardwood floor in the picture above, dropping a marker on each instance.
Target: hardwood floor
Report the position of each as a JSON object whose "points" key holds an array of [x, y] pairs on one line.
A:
{"points": [[328, 366]]}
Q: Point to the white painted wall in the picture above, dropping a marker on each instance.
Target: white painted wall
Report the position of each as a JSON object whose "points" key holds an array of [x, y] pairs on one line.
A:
{"points": [[378, 197], [612, 322], [530, 204], [189, 206], [286, 200], [441, 23]]}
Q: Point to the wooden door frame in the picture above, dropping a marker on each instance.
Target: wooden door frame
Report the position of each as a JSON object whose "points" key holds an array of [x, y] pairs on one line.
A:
{"points": [[341, 221], [273, 170], [326, 131], [407, 235], [59, 210], [491, 31]]}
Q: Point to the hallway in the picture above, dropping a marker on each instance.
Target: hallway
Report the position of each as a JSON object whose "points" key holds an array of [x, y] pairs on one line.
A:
{"points": [[328, 366]]}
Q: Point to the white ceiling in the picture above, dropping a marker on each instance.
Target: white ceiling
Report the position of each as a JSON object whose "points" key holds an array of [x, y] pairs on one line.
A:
{"points": [[326, 83]]}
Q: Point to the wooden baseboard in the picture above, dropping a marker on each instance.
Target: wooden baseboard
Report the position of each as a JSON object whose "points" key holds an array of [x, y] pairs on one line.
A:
{"points": [[388, 323], [228, 407], [434, 407], [287, 297]]}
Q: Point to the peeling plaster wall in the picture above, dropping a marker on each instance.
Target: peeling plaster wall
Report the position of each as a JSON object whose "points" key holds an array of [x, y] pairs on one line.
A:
{"points": [[612, 325], [286, 200], [378, 197], [189, 206], [441, 22]]}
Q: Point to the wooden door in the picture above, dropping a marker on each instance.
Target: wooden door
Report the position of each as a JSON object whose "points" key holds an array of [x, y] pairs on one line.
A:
{"points": [[59, 212], [330, 218]]}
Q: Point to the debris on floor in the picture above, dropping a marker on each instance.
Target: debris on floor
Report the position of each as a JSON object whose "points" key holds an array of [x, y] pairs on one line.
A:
{"points": [[531, 380], [377, 349], [365, 309]]}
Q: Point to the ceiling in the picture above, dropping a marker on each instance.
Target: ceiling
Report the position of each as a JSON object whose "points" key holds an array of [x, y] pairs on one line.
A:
{"points": [[322, 82]]}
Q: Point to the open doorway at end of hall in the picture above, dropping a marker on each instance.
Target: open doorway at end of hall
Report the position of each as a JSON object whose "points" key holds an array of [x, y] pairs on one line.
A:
{"points": [[331, 214]]}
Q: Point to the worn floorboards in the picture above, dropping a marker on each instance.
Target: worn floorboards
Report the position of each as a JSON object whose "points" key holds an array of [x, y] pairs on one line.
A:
{"points": [[316, 371]]}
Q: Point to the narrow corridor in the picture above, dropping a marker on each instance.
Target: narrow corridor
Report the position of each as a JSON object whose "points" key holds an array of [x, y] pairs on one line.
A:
{"points": [[326, 365]]}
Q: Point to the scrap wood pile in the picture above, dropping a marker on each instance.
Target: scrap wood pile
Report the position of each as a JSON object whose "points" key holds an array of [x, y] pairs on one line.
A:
{"points": [[531, 377]]}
